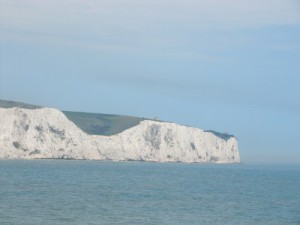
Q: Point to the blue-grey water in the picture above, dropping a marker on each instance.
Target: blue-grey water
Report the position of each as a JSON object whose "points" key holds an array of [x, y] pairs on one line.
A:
{"points": [[95, 192]]}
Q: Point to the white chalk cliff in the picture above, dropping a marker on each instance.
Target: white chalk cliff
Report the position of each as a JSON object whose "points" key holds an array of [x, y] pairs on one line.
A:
{"points": [[47, 133]]}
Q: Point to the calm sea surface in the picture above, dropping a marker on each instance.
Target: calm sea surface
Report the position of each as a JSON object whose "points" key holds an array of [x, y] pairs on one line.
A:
{"points": [[93, 192]]}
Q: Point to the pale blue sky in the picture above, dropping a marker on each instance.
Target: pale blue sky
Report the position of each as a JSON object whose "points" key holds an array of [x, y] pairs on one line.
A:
{"points": [[228, 65]]}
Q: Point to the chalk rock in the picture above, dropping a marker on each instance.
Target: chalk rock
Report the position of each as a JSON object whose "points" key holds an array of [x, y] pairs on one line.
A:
{"points": [[47, 133]]}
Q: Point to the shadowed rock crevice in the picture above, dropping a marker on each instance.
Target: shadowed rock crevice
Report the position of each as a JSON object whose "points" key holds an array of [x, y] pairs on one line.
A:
{"points": [[153, 136]]}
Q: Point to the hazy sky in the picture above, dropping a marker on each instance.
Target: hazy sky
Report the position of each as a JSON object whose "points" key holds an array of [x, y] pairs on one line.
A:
{"points": [[227, 65]]}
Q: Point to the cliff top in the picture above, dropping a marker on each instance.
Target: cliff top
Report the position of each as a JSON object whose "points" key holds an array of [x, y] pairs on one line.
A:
{"points": [[98, 123], [90, 123]]}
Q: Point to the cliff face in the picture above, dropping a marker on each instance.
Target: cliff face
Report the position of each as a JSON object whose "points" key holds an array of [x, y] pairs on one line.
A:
{"points": [[47, 133]]}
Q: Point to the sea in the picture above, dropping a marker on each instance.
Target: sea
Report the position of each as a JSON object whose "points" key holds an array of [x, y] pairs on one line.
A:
{"points": [[45, 192]]}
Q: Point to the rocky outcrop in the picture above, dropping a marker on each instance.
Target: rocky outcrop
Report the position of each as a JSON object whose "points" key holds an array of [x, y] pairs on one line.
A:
{"points": [[47, 133]]}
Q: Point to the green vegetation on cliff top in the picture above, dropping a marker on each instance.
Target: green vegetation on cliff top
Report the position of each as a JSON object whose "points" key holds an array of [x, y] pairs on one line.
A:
{"points": [[91, 123], [98, 123]]}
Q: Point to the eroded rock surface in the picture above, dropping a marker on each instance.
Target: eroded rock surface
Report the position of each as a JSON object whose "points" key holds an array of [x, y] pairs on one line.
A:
{"points": [[47, 133]]}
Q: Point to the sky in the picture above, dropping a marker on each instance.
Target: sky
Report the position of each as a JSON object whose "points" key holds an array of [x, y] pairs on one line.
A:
{"points": [[226, 65]]}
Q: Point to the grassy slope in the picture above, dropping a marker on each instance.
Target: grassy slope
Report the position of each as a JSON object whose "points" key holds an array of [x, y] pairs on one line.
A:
{"points": [[97, 123], [102, 124], [11, 104], [91, 123]]}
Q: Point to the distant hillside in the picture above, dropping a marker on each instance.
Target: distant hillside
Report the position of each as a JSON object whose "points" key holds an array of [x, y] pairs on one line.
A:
{"points": [[102, 124], [224, 136], [91, 123], [11, 104]]}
